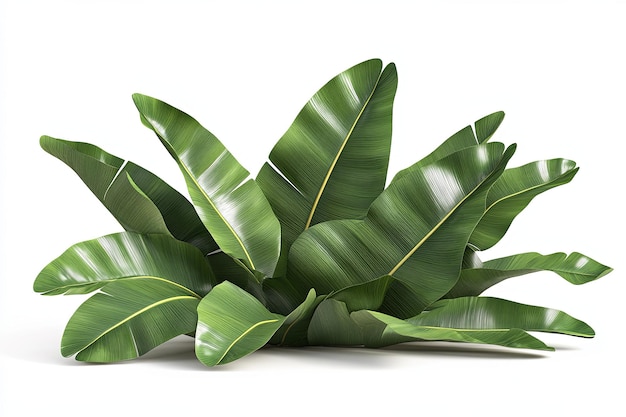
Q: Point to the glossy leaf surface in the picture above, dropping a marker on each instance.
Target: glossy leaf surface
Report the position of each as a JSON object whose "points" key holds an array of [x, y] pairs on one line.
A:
{"points": [[513, 191], [332, 161], [575, 268], [514, 338], [232, 324], [231, 206], [494, 313], [128, 318], [484, 129], [138, 199], [416, 231], [89, 265]]}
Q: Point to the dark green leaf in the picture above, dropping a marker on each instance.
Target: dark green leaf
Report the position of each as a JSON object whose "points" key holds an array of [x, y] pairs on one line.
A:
{"points": [[415, 231], [218, 185], [331, 325], [138, 199], [332, 162], [514, 338], [513, 191], [475, 313], [293, 331], [575, 268], [464, 138], [89, 265]]}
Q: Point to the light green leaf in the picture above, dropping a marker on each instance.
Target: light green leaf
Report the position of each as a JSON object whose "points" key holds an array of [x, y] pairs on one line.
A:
{"points": [[231, 206], [475, 313], [513, 191], [575, 268], [332, 161], [232, 324], [89, 265], [128, 318], [415, 231], [138, 199]]}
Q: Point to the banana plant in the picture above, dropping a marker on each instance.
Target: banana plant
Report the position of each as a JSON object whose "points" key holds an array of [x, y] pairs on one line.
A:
{"points": [[320, 248]]}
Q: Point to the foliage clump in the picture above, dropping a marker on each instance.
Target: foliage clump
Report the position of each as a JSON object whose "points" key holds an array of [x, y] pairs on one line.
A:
{"points": [[316, 250]]}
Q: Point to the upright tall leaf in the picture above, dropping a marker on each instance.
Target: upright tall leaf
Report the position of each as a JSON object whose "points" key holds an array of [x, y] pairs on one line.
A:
{"points": [[332, 162], [513, 191], [232, 207], [484, 129], [137, 198], [415, 231]]}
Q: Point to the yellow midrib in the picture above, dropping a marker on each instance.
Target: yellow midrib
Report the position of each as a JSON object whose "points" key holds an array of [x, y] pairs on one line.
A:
{"points": [[434, 229], [241, 336], [191, 178], [334, 163], [135, 314]]}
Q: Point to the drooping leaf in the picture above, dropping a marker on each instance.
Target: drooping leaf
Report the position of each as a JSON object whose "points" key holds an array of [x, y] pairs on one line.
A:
{"points": [[415, 231], [513, 191], [89, 265], [514, 338], [332, 162], [331, 325], [293, 331], [475, 313], [137, 198], [464, 138], [232, 324], [575, 268], [231, 206], [129, 318]]}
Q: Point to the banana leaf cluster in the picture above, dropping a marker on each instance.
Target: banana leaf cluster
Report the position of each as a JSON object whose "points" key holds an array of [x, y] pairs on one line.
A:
{"points": [[319, 249]]}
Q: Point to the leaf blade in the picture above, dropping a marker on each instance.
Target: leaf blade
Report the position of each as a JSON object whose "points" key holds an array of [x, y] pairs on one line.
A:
{"points": [[232, 324], [218, 185]]}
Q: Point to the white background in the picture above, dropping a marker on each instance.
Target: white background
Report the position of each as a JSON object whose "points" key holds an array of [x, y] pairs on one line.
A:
{"points": [[244, 70]]}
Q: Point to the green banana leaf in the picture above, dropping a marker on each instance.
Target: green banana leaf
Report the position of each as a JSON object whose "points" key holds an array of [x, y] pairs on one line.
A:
{"points": [[494, 313], [397, 330], [513, 191], [332, 161], [129, 318], [90, 265], [575, 268], [366, 296], [484, 129], [232, 324], [415, 231], [293, 331], [231, 206], [331, 325], [138, 199]]}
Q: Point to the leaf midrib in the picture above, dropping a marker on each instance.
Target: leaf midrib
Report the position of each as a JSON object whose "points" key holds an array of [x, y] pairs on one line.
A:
{"points": [[241, 336], [133, 315], [133, 277], [210, 201], [339, 153]]}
